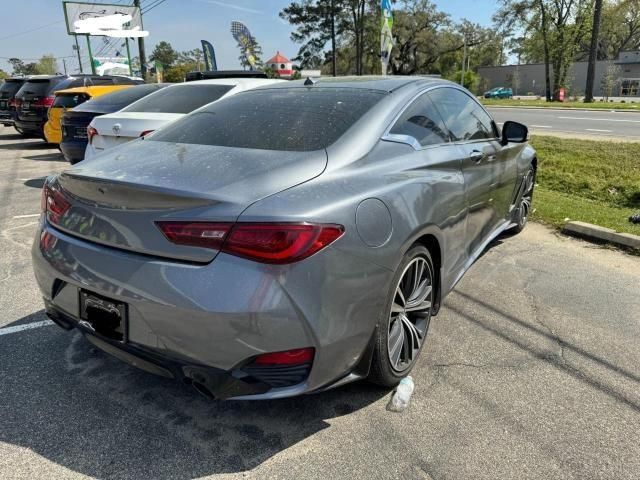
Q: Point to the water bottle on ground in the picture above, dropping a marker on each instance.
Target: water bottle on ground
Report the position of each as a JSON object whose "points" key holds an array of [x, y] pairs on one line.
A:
{"points": [[401, 397]]}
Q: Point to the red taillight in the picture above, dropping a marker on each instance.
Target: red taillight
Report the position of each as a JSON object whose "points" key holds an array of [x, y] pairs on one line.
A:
{"points": [[276, 243], [44, 102], [13, 102], [91, 132], [146, 132], [56, 205], [290, 357], [279, 243], [195, 234]]}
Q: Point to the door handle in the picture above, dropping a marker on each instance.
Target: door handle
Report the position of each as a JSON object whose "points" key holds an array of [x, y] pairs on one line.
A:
{"points": [[477, 156]]}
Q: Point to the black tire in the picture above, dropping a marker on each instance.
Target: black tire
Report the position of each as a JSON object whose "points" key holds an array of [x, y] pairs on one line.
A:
{"points": [[520, 215], [21, 132], [382, 371]]}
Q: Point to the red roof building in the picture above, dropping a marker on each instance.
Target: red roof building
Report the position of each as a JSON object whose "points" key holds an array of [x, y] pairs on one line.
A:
{"points": [[281, 64]]}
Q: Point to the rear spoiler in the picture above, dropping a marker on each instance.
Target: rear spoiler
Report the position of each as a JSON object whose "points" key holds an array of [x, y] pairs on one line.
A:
{"points": [[213, 74]]}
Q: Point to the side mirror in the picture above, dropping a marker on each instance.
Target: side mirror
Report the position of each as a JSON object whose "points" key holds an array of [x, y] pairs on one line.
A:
{"points": [[514, 132]]}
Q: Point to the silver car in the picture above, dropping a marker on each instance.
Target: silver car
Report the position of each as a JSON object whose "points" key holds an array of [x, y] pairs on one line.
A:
{"points": [[285, 240]]}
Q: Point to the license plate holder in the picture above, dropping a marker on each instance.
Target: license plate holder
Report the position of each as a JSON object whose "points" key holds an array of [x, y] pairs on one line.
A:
{"points": [[3, 105], [103, 316], [26, 105]]}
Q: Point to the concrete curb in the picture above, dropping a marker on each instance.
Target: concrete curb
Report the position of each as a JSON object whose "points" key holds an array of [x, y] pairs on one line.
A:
{"points": [[566, 109], [601, 234]]}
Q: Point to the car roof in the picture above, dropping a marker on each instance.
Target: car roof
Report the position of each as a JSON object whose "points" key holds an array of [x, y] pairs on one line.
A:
{"points": [[244, 82], [94, 89], [372, 82]]}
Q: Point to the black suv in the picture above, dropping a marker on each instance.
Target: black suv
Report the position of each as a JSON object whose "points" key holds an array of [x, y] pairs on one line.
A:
{"points": [[8, 90], [37, 94]]}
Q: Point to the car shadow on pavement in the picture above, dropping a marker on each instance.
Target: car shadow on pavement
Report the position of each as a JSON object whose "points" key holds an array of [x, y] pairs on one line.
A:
{"points": [[88, 412], [34, 144], [614, 389], [35, 182], [46, 157]]}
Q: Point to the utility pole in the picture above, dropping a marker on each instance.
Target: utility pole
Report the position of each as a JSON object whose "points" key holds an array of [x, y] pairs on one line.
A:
{"points": [[334, 70], [78, 52], [593, 52], [141, 53], [64, 65], [464, 59]]}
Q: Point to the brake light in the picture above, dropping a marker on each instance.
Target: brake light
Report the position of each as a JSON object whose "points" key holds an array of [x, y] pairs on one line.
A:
{"points": [[55, 204], [44, 102], [290, 357], [195, 234], [276, 243], [91, 132], [146, 132], [13, 102]]}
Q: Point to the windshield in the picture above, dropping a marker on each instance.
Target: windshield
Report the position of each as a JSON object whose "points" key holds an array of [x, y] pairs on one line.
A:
{"points": [[295, 119], [112, 102], [179, 99]]}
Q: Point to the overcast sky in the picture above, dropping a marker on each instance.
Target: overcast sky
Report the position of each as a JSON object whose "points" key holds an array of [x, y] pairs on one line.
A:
{"points": [[183, 23]]}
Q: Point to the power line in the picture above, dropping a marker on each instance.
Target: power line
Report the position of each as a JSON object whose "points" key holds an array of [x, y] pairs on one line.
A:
{"points": [[31, 30], [153, 5]]}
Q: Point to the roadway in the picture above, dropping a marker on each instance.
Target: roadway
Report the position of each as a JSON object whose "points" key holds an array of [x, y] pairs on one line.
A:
{"points": [[530, 371], [581, 123]]}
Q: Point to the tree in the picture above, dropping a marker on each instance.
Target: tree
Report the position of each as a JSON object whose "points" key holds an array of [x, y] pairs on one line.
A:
{"points": [[3, 74], [165, 54], [317, 24], [47, 65], [194, 56], [610, 79], [559, 26], [593, 51], [21, 68]]}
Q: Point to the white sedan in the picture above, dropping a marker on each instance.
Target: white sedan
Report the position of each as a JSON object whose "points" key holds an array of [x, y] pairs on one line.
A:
{"points": [[160, 108]]}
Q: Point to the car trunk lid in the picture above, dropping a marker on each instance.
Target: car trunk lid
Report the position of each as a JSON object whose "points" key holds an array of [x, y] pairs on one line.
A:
{"points": [[117, 198]]}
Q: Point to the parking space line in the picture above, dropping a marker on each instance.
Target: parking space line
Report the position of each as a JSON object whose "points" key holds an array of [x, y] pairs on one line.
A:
{"points": [[598, 130], [30, 215], [26, 326], [541, 126]]}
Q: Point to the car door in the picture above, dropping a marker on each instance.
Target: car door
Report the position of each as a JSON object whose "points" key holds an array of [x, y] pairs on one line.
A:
{"points": [[436, 166], [474, 133]]}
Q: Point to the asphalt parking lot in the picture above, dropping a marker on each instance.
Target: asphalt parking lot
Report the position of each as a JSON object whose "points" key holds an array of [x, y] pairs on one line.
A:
{"points": [[532, 370]]}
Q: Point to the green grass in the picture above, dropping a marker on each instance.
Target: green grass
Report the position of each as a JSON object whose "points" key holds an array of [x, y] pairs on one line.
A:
{"points": [[591, 181], [543, 103]]}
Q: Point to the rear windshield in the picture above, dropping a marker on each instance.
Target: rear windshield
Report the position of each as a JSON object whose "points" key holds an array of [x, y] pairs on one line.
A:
{"points": [[295, 119], [180, 99], [38, 87], [115, 101], [70, 101], [8, 88]]}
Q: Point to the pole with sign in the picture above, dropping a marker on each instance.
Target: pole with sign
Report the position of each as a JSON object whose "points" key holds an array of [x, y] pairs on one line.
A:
{"points": [[386, 35]]}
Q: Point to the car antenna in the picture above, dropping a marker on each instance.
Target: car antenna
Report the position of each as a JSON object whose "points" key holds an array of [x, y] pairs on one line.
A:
{"points": [[309, 82]]}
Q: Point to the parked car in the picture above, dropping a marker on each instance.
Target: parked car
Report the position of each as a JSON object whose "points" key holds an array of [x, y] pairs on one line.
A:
{"points": [[70, 98], [8, 90], [160, 108], [75, 122], [499, 92], [37, 94], [285, 240]]}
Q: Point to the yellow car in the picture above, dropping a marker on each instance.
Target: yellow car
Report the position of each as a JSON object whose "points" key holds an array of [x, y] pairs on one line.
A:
{"points": [[66, 100]]}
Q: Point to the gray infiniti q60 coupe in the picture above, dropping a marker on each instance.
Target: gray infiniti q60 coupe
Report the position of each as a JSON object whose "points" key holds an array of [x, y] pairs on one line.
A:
{"points": [[285, 240]]}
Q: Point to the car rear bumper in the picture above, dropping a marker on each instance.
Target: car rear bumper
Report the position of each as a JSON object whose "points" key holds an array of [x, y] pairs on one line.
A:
{"points": [[213, 318], [6, 118], [36, 126], [73, 151]]}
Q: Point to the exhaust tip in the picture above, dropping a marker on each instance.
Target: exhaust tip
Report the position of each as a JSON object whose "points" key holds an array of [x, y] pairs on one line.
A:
{"points": [[203, 390]]}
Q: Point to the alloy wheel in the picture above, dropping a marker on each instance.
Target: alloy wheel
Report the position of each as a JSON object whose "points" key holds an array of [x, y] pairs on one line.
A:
{"points": [[410, 314], [527, 196]]}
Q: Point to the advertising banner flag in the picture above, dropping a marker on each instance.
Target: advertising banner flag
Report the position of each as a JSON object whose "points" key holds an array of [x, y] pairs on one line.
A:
{"points": [[245, 41], [386, 35], [209, 56]]}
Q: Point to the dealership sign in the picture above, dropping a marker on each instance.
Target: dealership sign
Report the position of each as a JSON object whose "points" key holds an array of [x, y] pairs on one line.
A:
{"points": [[103, 19]]}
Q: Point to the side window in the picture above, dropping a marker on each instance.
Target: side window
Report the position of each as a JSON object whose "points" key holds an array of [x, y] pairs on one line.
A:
{"points": [[463, 116], [422, 122]]}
